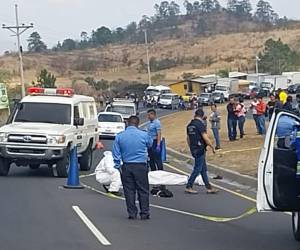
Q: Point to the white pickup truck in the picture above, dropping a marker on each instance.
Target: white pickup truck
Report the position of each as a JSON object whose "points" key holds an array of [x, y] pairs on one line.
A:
{"points": [[45, 126]]}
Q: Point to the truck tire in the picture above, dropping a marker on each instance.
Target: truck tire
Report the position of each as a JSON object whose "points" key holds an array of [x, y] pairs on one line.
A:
{"points": [[34, 166], [4, 166], [62, 166], [296, 225], [86, 160]]}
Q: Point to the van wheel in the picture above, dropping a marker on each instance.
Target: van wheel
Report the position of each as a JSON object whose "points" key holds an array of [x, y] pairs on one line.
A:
{"points": [[86, 160], [63, 165], [34, 166], [296, 225], [4, 166]]}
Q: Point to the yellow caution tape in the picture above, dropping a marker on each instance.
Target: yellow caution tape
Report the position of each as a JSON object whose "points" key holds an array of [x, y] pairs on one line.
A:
{"points": [[199, 216]]}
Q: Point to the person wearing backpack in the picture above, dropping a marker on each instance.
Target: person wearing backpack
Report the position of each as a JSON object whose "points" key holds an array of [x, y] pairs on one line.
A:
{"points": [[198, 141]]}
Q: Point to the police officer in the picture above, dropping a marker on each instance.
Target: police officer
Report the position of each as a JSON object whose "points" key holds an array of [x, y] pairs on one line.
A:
{"points": [[154, 131], [198, 140], [130, 149]]}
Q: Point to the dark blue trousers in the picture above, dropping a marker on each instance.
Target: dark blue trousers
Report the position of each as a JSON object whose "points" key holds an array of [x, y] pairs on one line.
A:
{"points": [[135, 182]]}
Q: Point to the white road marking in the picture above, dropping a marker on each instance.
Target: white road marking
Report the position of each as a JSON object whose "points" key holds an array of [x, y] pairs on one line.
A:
{"points": [[91, 226]]}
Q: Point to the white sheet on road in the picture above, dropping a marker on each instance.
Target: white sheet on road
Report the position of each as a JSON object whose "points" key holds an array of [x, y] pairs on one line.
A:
{"points": [[168, 178], [106, 174]]}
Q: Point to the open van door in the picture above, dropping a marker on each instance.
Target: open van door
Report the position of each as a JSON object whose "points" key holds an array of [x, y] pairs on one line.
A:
{"points": [[278, 178]]}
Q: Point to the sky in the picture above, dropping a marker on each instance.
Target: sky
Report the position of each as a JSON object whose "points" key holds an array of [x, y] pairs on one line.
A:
{"points": [[56, 20]]}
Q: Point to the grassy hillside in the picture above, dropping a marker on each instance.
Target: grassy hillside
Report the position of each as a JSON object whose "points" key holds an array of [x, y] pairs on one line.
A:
{"points": [[202, 55]]}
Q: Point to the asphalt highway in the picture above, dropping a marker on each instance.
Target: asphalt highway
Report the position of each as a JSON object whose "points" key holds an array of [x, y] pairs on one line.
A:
{"points": [[37, 213]]}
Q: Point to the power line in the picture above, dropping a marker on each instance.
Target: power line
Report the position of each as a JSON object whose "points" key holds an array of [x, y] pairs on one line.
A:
{"points": [[18, 30]]}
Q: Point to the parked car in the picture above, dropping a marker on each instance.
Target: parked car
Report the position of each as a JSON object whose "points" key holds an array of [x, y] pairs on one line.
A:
{"points": [[218, 97], [110, 124], [236, 95], [297, 89], [292, 88], [206, 99], [169, 101]]}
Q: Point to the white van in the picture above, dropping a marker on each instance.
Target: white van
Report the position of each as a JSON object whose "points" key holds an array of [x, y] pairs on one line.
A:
{"points": [[125, 107], [279, 168], [169, 101]]}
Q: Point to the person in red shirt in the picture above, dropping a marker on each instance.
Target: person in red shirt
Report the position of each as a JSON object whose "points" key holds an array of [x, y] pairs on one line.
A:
{"points": [[261, 119]]}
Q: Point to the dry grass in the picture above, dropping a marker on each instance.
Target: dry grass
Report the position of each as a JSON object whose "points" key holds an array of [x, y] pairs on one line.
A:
{"points": [[234, 51], [241, 156]]}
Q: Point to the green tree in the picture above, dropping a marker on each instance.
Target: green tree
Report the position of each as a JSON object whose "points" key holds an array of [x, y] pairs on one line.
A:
{"points": [[265, 13], [188, 7], [35, 43], [278, 57], [240, 8], [46, 80], [208, 6], [102, 36], [68, 45]]}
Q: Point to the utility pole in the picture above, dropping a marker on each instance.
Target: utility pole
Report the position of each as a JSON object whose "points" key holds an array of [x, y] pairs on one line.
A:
{"points": [[148, 60], [257, 60], [18, 30]]}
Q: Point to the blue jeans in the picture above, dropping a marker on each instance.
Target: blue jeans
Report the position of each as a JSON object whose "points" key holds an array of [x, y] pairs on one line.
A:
{"points": [[216, 135], [199, 168], [256, 122], [231, 125], [241, 122], [261, 119]]}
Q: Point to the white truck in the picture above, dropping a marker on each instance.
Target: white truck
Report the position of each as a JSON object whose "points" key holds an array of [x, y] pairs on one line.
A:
{"points": [[45, 126], [292, 77], [125, 107], [274, 82], [227, 86]]}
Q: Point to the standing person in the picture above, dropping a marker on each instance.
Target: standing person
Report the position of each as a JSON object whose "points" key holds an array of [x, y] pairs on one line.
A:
{"points": [[261, 110], [253, 107], [241, 114], [289, 104], [282, 96], [297, 107], [154, 131], [198, 140], [215, 120], [130, 148], [271, 106], [231, 120]]}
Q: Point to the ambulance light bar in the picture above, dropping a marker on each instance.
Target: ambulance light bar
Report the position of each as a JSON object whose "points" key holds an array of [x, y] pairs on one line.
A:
{"points": [[67, 92]]}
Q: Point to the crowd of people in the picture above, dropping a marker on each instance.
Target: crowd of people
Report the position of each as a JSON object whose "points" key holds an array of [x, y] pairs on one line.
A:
{"points": [[260, 110]]}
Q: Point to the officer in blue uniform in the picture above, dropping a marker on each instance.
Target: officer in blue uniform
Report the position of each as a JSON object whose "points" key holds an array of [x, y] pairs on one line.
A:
{"points": [[130, 156], [154, 131]]}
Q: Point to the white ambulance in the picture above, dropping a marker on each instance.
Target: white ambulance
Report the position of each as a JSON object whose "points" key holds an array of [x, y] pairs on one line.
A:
{"points": [[45, 126]]}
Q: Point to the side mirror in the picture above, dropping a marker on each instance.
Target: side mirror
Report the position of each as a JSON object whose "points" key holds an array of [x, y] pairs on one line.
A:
{"points": [[78, 122]]}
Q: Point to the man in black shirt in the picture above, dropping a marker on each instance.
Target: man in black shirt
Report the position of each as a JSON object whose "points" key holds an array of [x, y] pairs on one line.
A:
{"points": [[198, 140], [232, 119]]}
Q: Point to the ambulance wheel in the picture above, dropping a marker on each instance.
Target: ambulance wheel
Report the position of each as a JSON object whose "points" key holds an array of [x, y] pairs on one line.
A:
{"points": [[63, 165], [4, 166], [86, 160], [34, 166], [296, 225]]}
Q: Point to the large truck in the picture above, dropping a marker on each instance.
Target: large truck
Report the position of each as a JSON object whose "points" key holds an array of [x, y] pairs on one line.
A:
{"points": [[227, 86], [292, 77], [255, 80], [274, 82]]}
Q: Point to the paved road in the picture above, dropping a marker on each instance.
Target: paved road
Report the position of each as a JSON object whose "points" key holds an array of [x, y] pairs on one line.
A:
{"points": [[36, 213]]}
